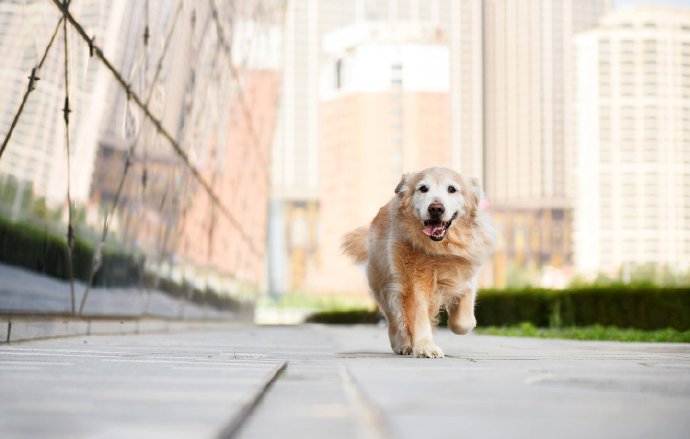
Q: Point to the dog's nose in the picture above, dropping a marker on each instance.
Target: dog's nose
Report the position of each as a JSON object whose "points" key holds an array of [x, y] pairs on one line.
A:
{"points": [[436, 209]]}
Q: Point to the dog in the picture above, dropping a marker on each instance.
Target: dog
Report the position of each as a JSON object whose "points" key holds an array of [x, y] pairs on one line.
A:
{"points": [[423, 251]]}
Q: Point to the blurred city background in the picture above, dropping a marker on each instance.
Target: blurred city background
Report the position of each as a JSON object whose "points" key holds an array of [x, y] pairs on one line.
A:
{"points": [[219, 150]]}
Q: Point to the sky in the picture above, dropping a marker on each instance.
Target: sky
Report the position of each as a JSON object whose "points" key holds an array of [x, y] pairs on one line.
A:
{"points": [[623, 3]]}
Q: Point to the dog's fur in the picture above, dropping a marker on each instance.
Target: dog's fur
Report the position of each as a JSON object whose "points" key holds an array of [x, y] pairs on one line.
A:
{"points": [[414, 268]]}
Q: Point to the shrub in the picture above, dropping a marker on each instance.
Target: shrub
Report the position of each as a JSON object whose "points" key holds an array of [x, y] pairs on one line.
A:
{"points": [[41, 250], [646, 308], [44, 251], [345, 317], [624, 307]]}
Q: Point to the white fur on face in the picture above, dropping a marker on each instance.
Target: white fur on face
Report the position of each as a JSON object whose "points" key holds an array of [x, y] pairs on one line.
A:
{"points": [[438, 191]]}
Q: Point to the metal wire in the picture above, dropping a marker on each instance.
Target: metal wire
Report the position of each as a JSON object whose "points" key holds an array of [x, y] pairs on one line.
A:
{"points": [[66, 111], [156, 121], [98, 255], [246, 111], [33, 78], [216, 204]]}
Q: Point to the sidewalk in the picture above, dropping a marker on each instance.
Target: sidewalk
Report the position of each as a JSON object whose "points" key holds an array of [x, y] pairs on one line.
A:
{"points": [[339, 382]]}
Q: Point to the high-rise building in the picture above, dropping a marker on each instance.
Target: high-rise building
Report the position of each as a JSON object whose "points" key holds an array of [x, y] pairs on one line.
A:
{"points": [[528, 53], [509, 114], [632, 203], [36, 154], [384, 112], [465, 32], [139, 46], [236, 168], [295, 224], [220, 106], [294, 165]]}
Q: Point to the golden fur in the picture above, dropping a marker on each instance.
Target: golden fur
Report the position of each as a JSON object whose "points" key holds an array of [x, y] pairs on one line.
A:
{"points": [[412, 276]]}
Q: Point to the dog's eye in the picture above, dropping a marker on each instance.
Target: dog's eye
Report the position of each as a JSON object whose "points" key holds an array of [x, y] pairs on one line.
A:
{"points": [[423, 189], [452, 190]]}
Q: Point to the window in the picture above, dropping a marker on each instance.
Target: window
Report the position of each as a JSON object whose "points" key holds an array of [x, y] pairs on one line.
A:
{"points": [[339, 74]]}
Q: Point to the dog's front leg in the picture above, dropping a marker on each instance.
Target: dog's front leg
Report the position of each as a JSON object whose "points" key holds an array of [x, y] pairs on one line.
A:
{"points": [[461, 318], [415, 307], [397, 332]]}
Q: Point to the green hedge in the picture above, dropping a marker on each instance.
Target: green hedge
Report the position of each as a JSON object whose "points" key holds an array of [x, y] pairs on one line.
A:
{"points": [[624, 307], [646, 308], [41, 250], [344, 317]]}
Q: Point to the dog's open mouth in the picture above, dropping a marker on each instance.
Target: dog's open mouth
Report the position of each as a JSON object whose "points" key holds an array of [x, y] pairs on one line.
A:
{"points": [[436, 229]]}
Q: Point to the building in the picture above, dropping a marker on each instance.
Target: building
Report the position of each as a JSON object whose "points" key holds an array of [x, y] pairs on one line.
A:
{"points": [[220, 106], [36, 154], [509, 111], [632, 204], [295, 222], [464, 24], [294, 164], [236, 168], [384, 112], [528, 53]]}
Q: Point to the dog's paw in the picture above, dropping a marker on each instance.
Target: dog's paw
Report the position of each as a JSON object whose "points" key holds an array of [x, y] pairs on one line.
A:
{"points": [[403, 349], [464, 326], [428, 350]]}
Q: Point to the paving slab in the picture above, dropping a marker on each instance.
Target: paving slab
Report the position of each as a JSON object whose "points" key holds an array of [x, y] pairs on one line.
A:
{"points": [[165, 386], [490, 387], [309, 399], [340, 382]]}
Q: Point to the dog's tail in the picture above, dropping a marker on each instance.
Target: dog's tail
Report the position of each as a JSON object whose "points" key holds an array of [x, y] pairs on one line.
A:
{"points": [[355, 244]]}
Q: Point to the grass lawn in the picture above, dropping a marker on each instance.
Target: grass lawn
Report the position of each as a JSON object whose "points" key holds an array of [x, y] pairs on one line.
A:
{"points": [[595, 332]]}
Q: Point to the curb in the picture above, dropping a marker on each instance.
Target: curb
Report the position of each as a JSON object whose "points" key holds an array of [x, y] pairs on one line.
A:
{"points": [[19, 328]]}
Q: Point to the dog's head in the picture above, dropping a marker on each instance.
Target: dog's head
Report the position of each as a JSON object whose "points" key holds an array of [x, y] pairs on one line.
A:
{"points": [[437, 197]]}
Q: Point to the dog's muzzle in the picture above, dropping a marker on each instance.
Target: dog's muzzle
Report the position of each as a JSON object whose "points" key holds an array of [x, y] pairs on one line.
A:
{"points": [[436, 229]]}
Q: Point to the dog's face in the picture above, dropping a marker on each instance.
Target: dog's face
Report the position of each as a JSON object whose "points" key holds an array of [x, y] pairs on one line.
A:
{"points": [[437, 197]]}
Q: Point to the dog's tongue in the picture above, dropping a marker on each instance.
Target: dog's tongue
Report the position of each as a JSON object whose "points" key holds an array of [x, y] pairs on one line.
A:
{"points": [[433, 230]]}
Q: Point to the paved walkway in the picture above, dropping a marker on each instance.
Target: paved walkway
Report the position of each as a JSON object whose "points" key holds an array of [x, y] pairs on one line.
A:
{"points": [[339, 382]]}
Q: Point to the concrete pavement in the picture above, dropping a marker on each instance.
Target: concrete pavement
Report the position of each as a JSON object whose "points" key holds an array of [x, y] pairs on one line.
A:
{"points": [[339, 382]]}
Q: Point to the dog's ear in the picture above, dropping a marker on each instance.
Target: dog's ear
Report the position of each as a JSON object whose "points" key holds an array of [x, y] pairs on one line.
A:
{"points": [[401, 188]]}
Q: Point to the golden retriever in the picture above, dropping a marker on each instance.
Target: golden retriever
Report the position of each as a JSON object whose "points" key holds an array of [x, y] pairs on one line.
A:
{"points": [[423, 251]]}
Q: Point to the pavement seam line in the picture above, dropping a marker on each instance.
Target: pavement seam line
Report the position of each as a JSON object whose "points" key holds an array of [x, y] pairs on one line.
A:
{"points": [[372, 423], [236, 424]]}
